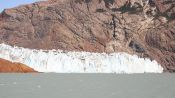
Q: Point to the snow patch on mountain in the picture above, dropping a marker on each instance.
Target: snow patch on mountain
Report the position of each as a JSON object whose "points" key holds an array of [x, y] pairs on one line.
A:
{"points": [[78, 62]]}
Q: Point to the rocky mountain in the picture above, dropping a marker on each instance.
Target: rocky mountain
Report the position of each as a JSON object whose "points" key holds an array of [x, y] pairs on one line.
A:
{"points": [[142, 27], [7, 66]]}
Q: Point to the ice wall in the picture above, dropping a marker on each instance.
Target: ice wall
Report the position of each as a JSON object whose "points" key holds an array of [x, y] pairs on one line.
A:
{"points": [[79, 62]]}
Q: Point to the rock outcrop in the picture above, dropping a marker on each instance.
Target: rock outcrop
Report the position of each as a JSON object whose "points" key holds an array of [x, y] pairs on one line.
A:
{"points": [[133, 26], [9, 67]]}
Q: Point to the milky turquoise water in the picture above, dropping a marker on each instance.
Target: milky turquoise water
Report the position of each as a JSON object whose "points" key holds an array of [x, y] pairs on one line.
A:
{"points": [[87, 86]]}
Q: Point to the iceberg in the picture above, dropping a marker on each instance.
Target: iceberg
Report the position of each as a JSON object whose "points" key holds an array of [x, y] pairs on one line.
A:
{"points": [[60, 61]]}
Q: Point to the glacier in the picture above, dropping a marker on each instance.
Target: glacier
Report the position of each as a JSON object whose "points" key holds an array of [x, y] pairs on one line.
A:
{"points": [[60, 61]]}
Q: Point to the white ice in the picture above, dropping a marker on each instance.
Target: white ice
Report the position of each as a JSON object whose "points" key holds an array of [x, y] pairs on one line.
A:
{"points": [[79, 62]]}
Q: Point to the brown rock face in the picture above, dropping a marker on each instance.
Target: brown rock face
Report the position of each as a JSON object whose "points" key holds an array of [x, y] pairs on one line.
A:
{"points": [[6, 67], [132, 26], [162, 42]]}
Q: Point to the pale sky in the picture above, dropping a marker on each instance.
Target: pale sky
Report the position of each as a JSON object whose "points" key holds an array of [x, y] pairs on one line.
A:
{"points": [[13, 3]]}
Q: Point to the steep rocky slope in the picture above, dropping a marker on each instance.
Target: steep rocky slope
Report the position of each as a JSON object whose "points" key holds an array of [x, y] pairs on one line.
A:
{"points": [[7, 66], [132, 26]]}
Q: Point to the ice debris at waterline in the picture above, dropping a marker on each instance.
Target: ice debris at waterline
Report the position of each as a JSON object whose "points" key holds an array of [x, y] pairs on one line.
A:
{"points": [[79, 62]]}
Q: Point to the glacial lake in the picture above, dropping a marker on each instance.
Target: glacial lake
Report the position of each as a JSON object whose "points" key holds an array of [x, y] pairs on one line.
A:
{"points": [[51, 85]]}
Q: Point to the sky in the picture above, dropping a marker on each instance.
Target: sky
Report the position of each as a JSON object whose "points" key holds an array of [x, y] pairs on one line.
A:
{"points": [[13, 3]]}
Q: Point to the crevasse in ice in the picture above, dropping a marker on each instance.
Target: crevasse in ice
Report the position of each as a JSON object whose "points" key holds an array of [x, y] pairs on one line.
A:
{"points": [[79, 62]]}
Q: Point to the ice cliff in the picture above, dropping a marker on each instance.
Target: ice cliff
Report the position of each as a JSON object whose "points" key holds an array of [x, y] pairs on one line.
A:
{"points": [[79, 62]]}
